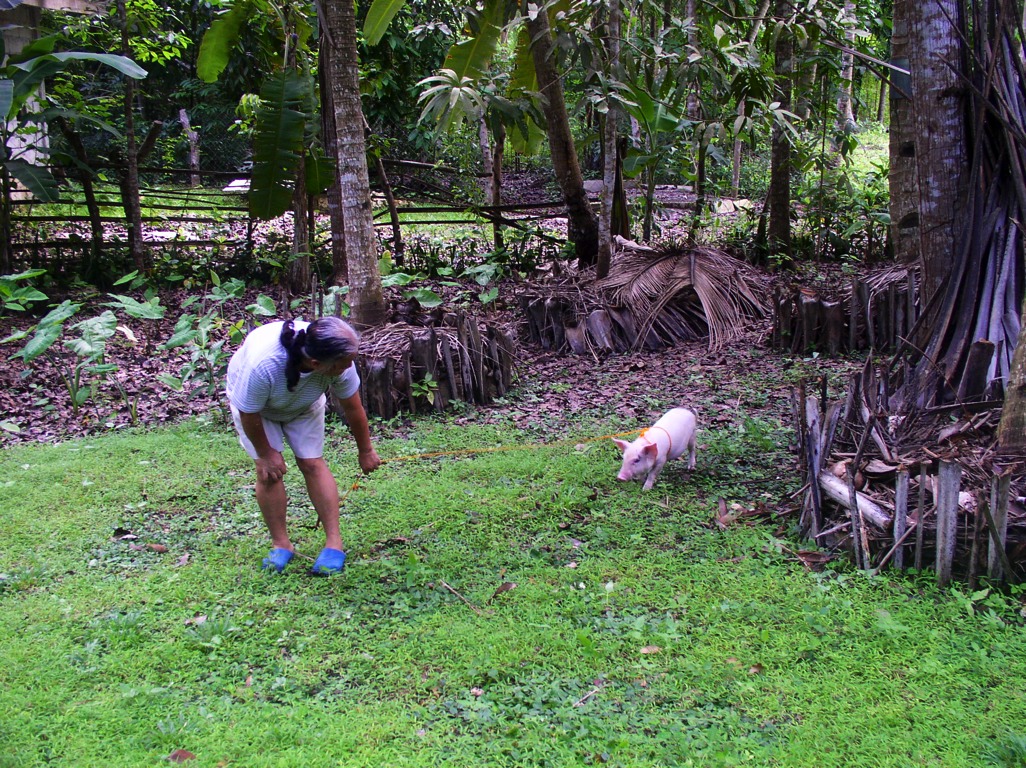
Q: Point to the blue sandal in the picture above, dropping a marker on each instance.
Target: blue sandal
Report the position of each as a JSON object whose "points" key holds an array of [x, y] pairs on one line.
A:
{"points": [[276, 560], [329, 562]]}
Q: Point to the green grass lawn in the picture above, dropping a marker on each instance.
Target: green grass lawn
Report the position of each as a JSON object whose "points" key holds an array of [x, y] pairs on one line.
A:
{"points": [[516, 607]]}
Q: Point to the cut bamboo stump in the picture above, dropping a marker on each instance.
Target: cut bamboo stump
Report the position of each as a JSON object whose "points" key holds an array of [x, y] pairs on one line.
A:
{"points": [[876, 313], [418, 369]]}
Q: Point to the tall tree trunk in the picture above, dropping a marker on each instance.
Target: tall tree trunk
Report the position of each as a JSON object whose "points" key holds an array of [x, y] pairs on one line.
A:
{"points": [[92, 266], [845, 114], [941, 136], [609, 142], [366, 299], [1012, 428], [582, 222], [902, 178], [495, 184], [339, 261], [130, 174], [398, 255], [779, 195]]}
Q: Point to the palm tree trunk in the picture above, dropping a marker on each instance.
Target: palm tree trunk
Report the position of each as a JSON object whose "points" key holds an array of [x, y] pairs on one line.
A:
{"points": [[582, 222], [779, 195], [941, 137], [902, 179], [339, 262], [609, 142], [130, 173], [367, 301]]}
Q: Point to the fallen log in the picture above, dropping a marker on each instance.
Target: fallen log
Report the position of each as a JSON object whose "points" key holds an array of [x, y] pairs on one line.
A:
{"points": [[837, 489]]}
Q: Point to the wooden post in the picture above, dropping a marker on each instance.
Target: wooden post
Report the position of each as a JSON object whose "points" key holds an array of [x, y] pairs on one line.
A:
{"points": [[900, 517], [949, 479], [920, 513], [977, 545], [996, 557], [812, 446], [853, 317]]}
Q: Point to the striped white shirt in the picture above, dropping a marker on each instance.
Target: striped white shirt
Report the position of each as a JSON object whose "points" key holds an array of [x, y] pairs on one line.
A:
{"points": [[256, 378]]}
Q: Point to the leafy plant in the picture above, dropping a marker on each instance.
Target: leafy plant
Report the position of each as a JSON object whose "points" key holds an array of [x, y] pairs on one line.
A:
{"points": [[20, 297], [425, 387]]}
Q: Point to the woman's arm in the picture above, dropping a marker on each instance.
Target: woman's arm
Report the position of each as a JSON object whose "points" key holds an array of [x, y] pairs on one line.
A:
{"points": [[356, 417]]}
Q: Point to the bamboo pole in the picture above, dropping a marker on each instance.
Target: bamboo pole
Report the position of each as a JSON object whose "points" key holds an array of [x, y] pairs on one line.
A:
{"points": [[949, 478], [997, 558], [900, 517]]}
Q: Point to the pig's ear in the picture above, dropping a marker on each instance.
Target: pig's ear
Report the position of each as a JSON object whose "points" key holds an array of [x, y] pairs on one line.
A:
{"points": [[621, 444], [650, 448]]}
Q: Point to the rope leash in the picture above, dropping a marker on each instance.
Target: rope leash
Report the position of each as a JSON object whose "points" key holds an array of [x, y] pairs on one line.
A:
{"points": [[503, 448], [495, 449]]}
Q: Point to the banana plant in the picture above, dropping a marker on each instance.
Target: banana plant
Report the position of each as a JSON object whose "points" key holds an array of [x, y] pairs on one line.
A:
{"points": [[287, 120]]}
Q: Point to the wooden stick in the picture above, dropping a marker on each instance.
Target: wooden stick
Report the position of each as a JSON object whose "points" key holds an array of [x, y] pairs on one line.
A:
{"points": [[974, 555], [897, 547], [473, 607]]}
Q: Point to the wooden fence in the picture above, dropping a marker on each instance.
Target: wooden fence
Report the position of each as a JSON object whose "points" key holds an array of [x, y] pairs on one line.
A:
{"points": [[898, 512]]}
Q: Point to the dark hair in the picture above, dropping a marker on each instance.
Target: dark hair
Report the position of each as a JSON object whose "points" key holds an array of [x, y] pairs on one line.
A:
{"points": [[326, 339]]}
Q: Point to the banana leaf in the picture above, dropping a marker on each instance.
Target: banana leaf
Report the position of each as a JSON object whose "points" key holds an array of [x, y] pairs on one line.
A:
{"points": [[277, 143], [219, 40], [378, 18]]}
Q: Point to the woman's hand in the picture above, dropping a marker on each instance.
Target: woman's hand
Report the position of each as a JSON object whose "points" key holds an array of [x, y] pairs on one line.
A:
{"points": [[369, 460], [271, 468]]}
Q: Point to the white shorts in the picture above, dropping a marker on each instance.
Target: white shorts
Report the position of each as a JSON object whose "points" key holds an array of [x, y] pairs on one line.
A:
{"points": [[305, 434]]}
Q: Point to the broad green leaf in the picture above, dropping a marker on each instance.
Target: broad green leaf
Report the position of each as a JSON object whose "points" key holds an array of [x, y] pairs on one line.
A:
{"points": [[28, 274], [29, 294], [122, 64], [424, 296], [170, 381], [320, 171], [9, 426], [219, 40], [280, 127], [397, 278], [60, 313], [94, 333], [36, 179], [127, 278], [16, 336], [180, 338], [378, 18], [35, 48], [6, 96], [471, 58], [144, 310], [40, 342], [264, 306]]}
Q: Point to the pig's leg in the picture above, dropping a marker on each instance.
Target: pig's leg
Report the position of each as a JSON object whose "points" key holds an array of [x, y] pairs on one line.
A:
{"points": [[691, 452], [653, 475]]}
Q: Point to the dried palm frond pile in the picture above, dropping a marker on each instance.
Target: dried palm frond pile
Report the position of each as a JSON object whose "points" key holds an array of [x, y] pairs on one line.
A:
{"points": [[653, 297], [419, 368]]}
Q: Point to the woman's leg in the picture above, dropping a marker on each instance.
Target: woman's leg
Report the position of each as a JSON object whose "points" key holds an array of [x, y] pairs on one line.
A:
{"points": [[323, 490], [272, 500]]}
